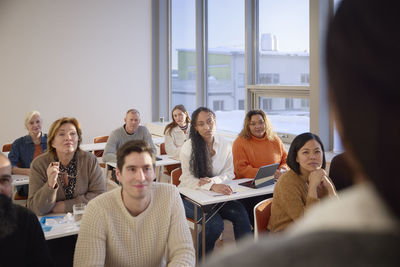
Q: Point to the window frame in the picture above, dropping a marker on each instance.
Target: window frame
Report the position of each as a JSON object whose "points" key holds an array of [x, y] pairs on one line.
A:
{"points": [[321, 121]]}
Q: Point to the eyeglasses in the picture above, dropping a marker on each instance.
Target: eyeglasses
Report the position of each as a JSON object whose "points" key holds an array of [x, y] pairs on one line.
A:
{"points": [[259, 123]]}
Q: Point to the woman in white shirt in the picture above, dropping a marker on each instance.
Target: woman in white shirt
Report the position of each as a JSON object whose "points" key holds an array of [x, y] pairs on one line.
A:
{"points": [[207, 163], [177, 132]]}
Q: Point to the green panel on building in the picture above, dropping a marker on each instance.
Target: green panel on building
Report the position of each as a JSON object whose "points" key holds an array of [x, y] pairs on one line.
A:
{"points": [[219, 65]]}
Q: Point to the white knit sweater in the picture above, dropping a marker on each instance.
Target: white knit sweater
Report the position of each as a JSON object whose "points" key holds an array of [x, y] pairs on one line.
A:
{"points": [[110, 236], [174, 141]]}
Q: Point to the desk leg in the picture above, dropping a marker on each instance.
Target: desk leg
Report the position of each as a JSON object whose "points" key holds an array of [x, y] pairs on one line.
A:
{"points": [[196, 236], [159, 170], [203, 236]]}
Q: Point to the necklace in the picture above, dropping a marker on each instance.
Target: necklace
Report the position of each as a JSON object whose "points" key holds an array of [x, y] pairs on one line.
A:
{"points": [[184, 128]]}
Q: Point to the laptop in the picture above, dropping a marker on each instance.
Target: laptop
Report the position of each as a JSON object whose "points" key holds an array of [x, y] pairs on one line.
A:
{"points": [[264, 173]]}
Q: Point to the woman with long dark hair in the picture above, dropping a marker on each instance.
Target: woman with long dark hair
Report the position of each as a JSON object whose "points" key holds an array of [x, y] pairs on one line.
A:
{"points": [[206, 160]]}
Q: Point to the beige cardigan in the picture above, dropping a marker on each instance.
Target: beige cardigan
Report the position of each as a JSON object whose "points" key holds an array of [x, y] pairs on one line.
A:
{"points": [[89, 183]]}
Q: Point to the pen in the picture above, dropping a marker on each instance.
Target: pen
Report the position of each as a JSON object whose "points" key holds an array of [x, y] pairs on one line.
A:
{"points": [[220, 195]]}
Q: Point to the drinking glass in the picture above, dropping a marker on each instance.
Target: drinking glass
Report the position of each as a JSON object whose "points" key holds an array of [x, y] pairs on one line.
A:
{"points": [[78, 210]]}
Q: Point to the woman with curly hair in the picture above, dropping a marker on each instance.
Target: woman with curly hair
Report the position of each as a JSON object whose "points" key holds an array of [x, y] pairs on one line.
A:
{"points": [[257, 145], [207, 164]]}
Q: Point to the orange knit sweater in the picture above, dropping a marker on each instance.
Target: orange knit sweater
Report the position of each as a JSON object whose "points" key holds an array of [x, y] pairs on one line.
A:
{"points": [[250, 155]]}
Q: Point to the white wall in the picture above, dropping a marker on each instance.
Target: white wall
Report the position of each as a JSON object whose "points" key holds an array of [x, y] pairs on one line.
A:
{"points": [[90, 59]]}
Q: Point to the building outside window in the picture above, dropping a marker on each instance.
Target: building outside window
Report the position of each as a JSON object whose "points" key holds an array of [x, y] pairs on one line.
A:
{"points": [[220, 59], [268, 78], [218, 105], [305, 78], [183, 57]]}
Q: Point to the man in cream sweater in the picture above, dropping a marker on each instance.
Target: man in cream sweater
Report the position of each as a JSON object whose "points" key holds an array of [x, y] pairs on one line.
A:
{"points": [[140, 224]]}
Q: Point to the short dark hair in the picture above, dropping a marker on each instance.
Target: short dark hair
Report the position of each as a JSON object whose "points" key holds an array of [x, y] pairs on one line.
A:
{"points": [[298, 142], [363, 76], [138, 146]]}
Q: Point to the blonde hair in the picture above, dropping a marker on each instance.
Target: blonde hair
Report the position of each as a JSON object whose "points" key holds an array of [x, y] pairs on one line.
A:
{"points": [[54, 128], [269, 133], [29, 116]]}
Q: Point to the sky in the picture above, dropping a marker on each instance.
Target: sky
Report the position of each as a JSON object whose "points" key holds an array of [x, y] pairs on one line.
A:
{"points": [[286, 19]]}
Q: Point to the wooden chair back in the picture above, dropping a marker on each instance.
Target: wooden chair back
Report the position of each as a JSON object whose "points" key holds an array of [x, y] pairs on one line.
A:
{"points": [[6, 148], [175, 174], [162, 149], [100, 139], [169, 168], [262, 213]]}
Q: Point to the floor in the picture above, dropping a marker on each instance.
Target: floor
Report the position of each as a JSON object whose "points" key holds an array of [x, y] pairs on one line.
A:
{"points": [[228, 237]]}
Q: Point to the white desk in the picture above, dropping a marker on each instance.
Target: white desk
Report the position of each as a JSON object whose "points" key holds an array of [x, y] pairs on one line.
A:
{"points": [[19, 179], [93, 146], [165, 160], [203, 199], [62, 229], [158, 140]]}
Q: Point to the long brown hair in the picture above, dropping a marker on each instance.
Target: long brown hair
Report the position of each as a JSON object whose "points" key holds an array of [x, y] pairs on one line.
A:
{"points": [[245, 133], [173, 124]]}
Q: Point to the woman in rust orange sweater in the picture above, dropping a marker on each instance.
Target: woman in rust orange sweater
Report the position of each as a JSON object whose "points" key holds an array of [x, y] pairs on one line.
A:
{"points": [[256, 146]]}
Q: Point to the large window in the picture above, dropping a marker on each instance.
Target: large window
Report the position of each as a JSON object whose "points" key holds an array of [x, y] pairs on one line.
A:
{"points": [[183, 54], [284, 40], [283, 60], [236, 55], [287, 115], [225, 62], [225, 55]]}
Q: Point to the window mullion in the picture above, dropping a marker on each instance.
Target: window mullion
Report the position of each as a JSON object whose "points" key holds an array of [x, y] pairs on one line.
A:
{"points": [[201, 55]]}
